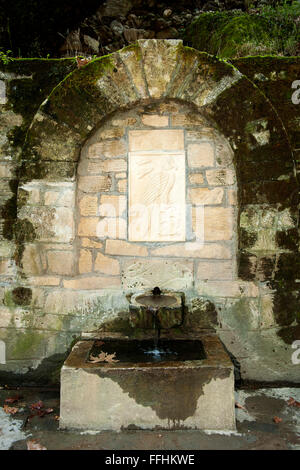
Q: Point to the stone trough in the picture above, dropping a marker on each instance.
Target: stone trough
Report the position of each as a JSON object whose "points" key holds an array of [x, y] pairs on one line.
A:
{"points": [[190, 389]]}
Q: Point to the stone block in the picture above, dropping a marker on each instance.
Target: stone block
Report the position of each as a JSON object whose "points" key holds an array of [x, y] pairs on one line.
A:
{"points": [[194, 250], [94, 184], [85, 262], [201, 155], [60, 262], [107, 149], [112, 206], [166, 274], [218, 223], [196, 178], [221, 177], [166, 139], [123, 248], [205, 196], [109, 227], [106, 265], [215, 270], [88, 226], [155, 120], [122, 186], [88, 206], [172, 396], [92, 282]]}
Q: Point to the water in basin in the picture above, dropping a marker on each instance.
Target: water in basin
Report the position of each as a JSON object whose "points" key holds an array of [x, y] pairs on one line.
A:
{"points": [[156, 301], [136, 351]]}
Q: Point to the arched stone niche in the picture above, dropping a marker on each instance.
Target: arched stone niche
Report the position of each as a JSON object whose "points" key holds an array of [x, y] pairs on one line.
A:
{"points": [[49, 249], [172, 148]]}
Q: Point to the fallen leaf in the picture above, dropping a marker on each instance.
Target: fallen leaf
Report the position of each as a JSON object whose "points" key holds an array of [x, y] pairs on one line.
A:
{"points": [[99, 343], [13, 399], [241, 407], [277, 420], [10, 409], [56, 417], [37, 406], [33, 444], [293, 402], [81, 62], [103, 357]]}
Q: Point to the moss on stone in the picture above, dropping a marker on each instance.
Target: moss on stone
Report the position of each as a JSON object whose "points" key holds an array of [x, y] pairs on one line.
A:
{"points": [[235, 34]]}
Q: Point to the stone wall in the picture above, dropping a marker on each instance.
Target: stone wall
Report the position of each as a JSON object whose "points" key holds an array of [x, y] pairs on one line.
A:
{"points": [[59, 278]]}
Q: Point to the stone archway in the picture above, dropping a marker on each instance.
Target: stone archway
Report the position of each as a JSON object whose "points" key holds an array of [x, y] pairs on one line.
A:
{"points": [[154, 71]]}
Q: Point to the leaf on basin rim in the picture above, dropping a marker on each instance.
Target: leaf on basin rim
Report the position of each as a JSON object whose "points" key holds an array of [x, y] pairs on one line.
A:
{"points": [[293, 402], [277, 420], [11, 410], [103, 357], [34, 444]]}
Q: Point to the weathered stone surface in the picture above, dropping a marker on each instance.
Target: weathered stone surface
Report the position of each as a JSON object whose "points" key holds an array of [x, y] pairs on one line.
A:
{"points": [[144, 274], [215, 270], [194, 250], [94, 184], [200, 396], [196, 178], [85, 262], [205, 196], [119, 247], [92, 282], [155, 120], [60, 262], [88, 205], [106, 265], [166, 139], [200, 155], [220, 177], [110, 227], [112, 206], [109, 148]]}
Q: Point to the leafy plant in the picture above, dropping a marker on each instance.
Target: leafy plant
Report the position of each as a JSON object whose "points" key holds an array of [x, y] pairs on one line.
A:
{"points": [[4, 57]]}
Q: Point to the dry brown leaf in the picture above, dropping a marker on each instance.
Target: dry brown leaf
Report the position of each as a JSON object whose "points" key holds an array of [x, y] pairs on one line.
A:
{"points": [[241, 407], [13, 399], [277, 420], [293, 402], [33, 444], [56, 417], [103, 357], [37, 406], [11, 410]]}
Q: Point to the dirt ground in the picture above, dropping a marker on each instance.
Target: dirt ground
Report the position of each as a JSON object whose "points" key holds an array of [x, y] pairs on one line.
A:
{"points": [[256, 415]]}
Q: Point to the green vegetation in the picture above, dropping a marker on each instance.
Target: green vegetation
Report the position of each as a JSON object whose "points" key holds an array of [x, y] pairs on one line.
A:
{"points": [[4, 57], [236, 34]]}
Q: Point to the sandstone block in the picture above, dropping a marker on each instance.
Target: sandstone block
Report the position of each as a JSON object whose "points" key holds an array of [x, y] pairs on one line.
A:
{"points": [[122, 248], [201, 155], [60, 262], [112, 206], [85, 262], [167, 139], [155, 120], [106, 265]]}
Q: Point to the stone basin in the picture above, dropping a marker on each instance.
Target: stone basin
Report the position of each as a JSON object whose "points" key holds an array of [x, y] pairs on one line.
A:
{"points": [[191, 389], [156, 300]]}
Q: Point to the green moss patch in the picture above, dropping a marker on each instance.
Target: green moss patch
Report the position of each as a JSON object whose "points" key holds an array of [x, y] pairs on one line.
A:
{"points": [[235, 34]]}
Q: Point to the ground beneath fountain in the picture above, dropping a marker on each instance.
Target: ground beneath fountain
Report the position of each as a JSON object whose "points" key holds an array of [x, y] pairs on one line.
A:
{"points": [[267, 418]]}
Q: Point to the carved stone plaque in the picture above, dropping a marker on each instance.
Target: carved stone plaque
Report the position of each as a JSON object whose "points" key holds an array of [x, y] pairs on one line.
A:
{"points": [[156, 196]]}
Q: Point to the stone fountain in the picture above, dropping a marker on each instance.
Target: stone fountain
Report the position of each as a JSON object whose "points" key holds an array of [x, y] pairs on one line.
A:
{"points": [[158, 383]]}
